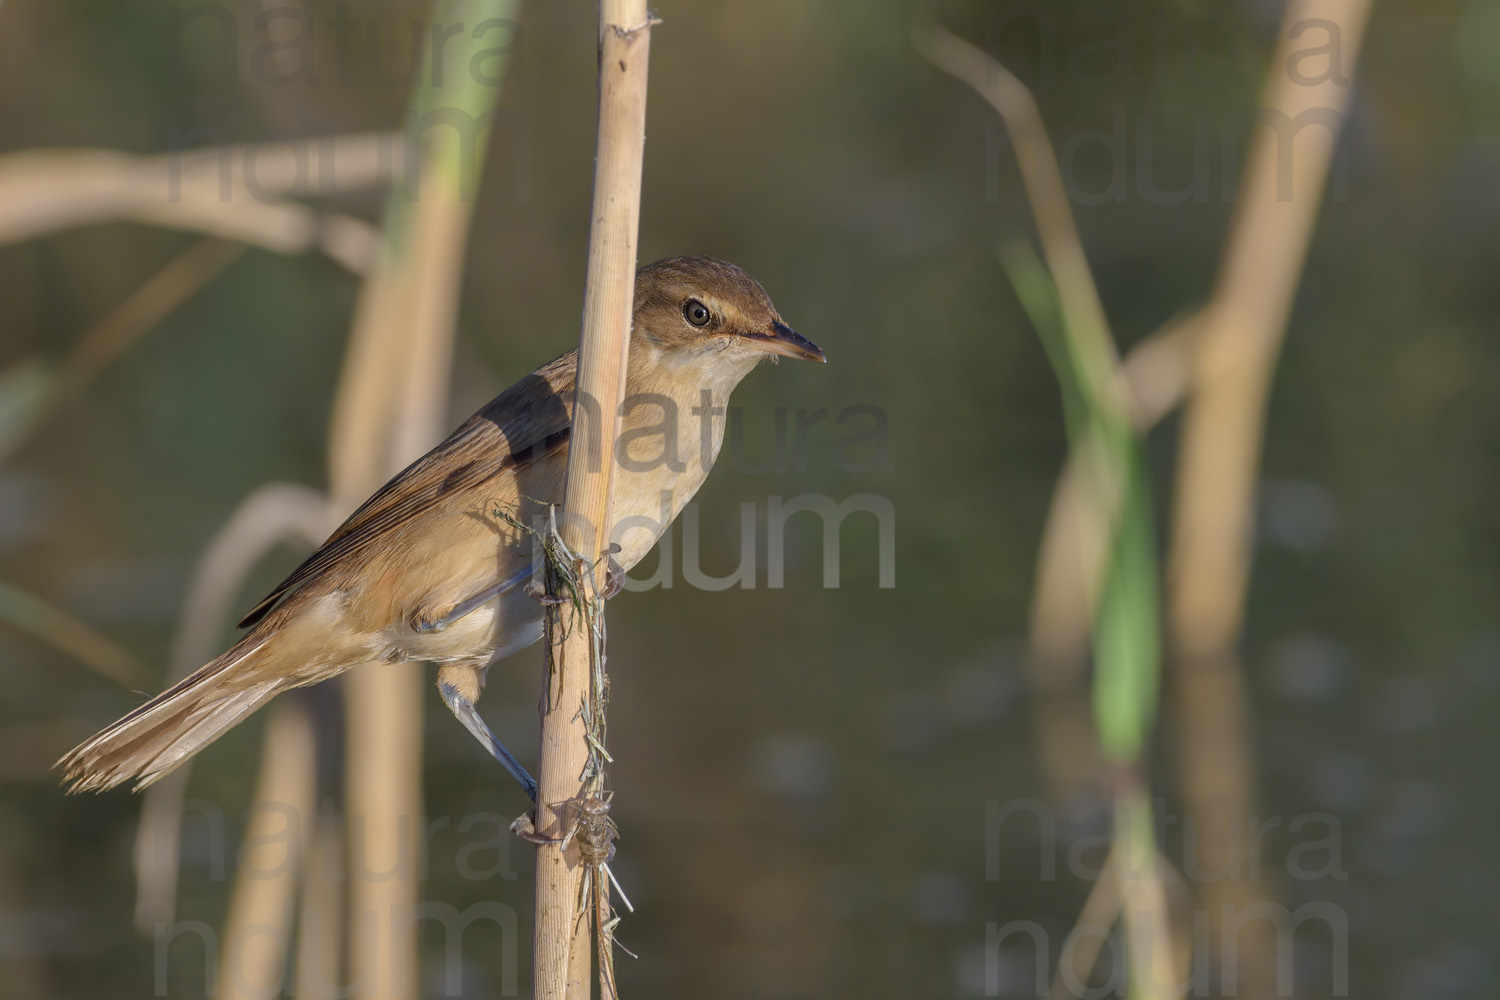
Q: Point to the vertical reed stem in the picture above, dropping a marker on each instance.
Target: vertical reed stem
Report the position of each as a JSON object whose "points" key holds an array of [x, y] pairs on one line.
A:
{"points": [[392, 406], [1209, 556], [561, 953]]}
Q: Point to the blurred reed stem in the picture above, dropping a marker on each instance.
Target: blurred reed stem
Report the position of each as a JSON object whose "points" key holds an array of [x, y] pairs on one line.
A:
{"points": [[392, 406], [1227, 360], [1108, 468], [257, 934], [43, 191], [1213, 528], [1070, 568]]}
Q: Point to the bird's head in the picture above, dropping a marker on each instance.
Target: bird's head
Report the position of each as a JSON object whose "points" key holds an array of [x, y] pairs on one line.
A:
{"points": [[704, 311]]}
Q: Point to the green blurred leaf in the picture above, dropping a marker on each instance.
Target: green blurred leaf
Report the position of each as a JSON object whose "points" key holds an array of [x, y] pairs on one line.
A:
{"points": [[1127, 640]]}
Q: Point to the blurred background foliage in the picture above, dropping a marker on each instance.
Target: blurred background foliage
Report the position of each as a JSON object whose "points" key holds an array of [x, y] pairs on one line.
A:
{"points": [[803, 772]]}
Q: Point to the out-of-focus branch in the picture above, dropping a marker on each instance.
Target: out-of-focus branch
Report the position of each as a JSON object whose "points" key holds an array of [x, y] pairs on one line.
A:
{"points": [[77, 639], [258, 931], [1061, 246], [273, 514], [320, 913], [391, 406], [236, 192], [1244, 325], [1100, 911], [319, 166], [1210, 549]]}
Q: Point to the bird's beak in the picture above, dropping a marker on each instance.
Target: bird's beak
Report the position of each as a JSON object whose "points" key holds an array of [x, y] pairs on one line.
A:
{"points": [[785, 341]]}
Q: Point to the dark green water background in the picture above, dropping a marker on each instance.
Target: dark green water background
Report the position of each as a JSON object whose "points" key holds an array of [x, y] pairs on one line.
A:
{"points": [[803, 773]]}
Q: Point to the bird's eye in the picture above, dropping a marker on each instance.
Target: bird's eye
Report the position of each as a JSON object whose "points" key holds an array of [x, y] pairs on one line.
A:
{"points": [[696, 312]]}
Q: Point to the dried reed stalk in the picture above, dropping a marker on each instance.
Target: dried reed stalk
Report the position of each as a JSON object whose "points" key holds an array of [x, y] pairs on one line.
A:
{"points": [[257, 932], [320, 913], [1061, 246], [69, 635], [1210, 550], [235, 192], [392, 406], [561, 955]]}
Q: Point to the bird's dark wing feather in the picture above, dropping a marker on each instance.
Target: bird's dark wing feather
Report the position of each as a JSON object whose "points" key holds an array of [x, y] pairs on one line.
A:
{"points": [[528, 421]]}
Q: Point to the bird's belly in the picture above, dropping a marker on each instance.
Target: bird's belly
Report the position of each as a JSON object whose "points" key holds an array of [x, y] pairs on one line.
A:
{"points": [[499, 628]]}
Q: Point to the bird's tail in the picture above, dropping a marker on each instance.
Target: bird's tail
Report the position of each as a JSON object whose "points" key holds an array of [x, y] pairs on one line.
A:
{"points": [[160, 735]]}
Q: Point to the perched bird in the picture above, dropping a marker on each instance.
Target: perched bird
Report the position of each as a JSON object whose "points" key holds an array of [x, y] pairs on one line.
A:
{"points": [[432, 566]]}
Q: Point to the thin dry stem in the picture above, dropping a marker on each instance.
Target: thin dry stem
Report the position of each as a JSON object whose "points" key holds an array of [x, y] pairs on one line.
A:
{"points": [[68, 634], [1143, 898], [1089, 498], [1061, 246], [1079, 524], [1100, 910]]}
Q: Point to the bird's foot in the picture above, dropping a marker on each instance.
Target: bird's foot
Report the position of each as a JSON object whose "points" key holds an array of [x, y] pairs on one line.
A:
{"points": [[536, 593], [614, 582], [525, 828], [614, 573]]}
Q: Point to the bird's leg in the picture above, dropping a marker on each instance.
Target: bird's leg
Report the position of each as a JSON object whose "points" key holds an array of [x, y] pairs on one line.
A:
{"points": [[614, 581], [471, 604], [525, 828], [465, 712]]}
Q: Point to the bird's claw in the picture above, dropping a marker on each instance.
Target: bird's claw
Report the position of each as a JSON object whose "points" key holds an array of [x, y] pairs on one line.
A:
{"points": [[536, 593], [614, 581], [525, 828], [614, 573]]}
